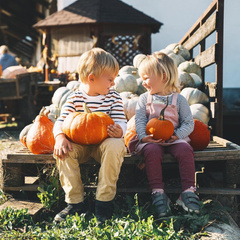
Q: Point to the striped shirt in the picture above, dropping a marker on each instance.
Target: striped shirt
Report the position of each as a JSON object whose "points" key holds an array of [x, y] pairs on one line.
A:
{"points": [[111, 104], [186, 123]]}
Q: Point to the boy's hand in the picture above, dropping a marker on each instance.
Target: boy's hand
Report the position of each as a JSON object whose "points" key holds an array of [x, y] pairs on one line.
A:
{"points": [[115, 131], [62, 146]]}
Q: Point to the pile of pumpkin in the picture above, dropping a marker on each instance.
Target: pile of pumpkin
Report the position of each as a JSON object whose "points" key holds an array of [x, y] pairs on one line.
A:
{"points": [[129, 85]]}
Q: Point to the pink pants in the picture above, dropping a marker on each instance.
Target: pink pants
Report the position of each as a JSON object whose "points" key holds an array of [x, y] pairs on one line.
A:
{"points": [[183, 152]]}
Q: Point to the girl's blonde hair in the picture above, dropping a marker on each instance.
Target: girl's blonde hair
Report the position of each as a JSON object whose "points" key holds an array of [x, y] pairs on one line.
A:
{"points": [[96, 61], [158, 65]]}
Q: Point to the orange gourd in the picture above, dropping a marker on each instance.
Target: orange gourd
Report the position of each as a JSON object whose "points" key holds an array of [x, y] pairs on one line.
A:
{"points": [[160, 128], [130, 132], [40, 139], [87, 127], [200, 136]]}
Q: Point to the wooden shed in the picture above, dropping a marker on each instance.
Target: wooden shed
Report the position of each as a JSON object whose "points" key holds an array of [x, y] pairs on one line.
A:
{"points": [[110, 24]]}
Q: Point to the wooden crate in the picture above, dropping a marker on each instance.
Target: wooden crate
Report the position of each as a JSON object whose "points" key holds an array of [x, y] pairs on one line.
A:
{"points": [[23, 163]]}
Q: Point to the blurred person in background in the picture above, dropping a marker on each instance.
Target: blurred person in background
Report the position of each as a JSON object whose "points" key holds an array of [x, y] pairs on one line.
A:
{"points": [[6, 60]]}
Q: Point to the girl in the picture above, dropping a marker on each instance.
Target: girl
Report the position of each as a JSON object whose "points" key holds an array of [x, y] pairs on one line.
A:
{"points": [[160, 77]]}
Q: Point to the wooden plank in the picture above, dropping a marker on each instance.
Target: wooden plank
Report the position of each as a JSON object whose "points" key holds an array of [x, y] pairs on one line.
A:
{"points": [[210, 191], [207, 57], [203, 31], [34, 208], [26, 187]]}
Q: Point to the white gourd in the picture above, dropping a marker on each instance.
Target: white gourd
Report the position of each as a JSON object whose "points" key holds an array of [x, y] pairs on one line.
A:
{"points": [[200, 112], [73, 84], [190, 67], [197, 80], [52, 112], [166, 51], [177, 59], [141, 88], [179, 50], [129, 70], [138, 59], [194, 95], [60, 96], [129, 103], [185, 80], [126, 83]]}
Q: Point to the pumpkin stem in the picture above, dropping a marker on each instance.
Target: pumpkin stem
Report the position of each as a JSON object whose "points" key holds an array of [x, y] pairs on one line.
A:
{"points": [[42, 111], [86, 109], [161, 116]]}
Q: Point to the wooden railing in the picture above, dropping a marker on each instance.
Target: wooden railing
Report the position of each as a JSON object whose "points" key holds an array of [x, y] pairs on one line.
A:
{"points": [[209, 23]]}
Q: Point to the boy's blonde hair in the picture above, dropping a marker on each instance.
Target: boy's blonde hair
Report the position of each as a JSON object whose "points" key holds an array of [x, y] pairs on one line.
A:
{"points": [[96, 61], [159, 64]]}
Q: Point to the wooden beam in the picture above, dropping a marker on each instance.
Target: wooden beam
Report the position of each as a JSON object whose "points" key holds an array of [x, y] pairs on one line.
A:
{"points": [[206, 57], [201, 33]]}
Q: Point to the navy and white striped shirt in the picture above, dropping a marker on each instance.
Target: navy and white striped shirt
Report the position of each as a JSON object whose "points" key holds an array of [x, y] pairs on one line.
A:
{"points": [[111, 104]]}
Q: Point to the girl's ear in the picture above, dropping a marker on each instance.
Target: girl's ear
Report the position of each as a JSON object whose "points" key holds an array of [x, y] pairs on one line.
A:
{"points": [[164, 77]]}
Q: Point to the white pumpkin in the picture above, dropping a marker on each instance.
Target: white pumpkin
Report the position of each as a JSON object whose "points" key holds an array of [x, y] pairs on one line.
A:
{"points": [[52, 112], [73, 84], [129, 103], [166, 51], [200, 112], [190, 67], [138, 59], [129, 70], [179, 50], [141, 88], [189, 80], [197, 80], [60, 96], [126, 83], [194, 95], [177, 59], [185, 80]]}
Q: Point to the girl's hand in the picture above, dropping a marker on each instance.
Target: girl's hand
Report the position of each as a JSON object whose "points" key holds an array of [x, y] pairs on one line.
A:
{"points": [[173, 138], [115, 131], [150, 138], [62, 146]]}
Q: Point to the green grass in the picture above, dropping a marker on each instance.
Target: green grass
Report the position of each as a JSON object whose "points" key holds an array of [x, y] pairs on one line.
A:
{"points": [[131, 220]]}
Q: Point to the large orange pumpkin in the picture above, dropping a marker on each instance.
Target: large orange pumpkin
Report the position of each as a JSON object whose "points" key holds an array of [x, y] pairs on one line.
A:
{"points": [[200, 136], [40, 139], [87, 127], [160, 128]]}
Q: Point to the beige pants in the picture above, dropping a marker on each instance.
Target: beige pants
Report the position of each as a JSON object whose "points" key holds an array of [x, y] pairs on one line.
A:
{"points": [[109, 154]]}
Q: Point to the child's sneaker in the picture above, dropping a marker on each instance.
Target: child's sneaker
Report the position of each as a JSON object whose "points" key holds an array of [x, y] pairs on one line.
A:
{"points": [[103, 210], [71, 209], [189, 202], [161, 203]]}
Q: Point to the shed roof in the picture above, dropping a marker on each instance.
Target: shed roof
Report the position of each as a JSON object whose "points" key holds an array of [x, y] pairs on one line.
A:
{"points": [[98, 11]]}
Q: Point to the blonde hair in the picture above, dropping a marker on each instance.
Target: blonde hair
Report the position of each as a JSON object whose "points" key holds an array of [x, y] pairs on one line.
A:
{"points": [[158, 65], [96, 61]]}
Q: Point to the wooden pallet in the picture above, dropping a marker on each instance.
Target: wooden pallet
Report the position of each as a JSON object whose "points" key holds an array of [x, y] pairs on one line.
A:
{"points": [[16, 165]]}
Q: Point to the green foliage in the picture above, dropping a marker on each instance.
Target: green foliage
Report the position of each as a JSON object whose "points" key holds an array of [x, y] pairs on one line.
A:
{"points": [[132, 220], [12, 219], [3, 197], [51, 193]]}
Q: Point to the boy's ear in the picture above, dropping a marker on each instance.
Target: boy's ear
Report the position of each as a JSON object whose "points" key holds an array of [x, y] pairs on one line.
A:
{"points": [[91, 77]]}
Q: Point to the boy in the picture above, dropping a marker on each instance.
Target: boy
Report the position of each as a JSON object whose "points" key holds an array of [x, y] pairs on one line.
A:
{"points": [[97, 70]]}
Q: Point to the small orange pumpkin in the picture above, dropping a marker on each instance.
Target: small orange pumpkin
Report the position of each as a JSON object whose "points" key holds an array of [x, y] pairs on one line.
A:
{"points": [[87, 127], [40, 139], [200, 136], [131, 131], [160, 128]]}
